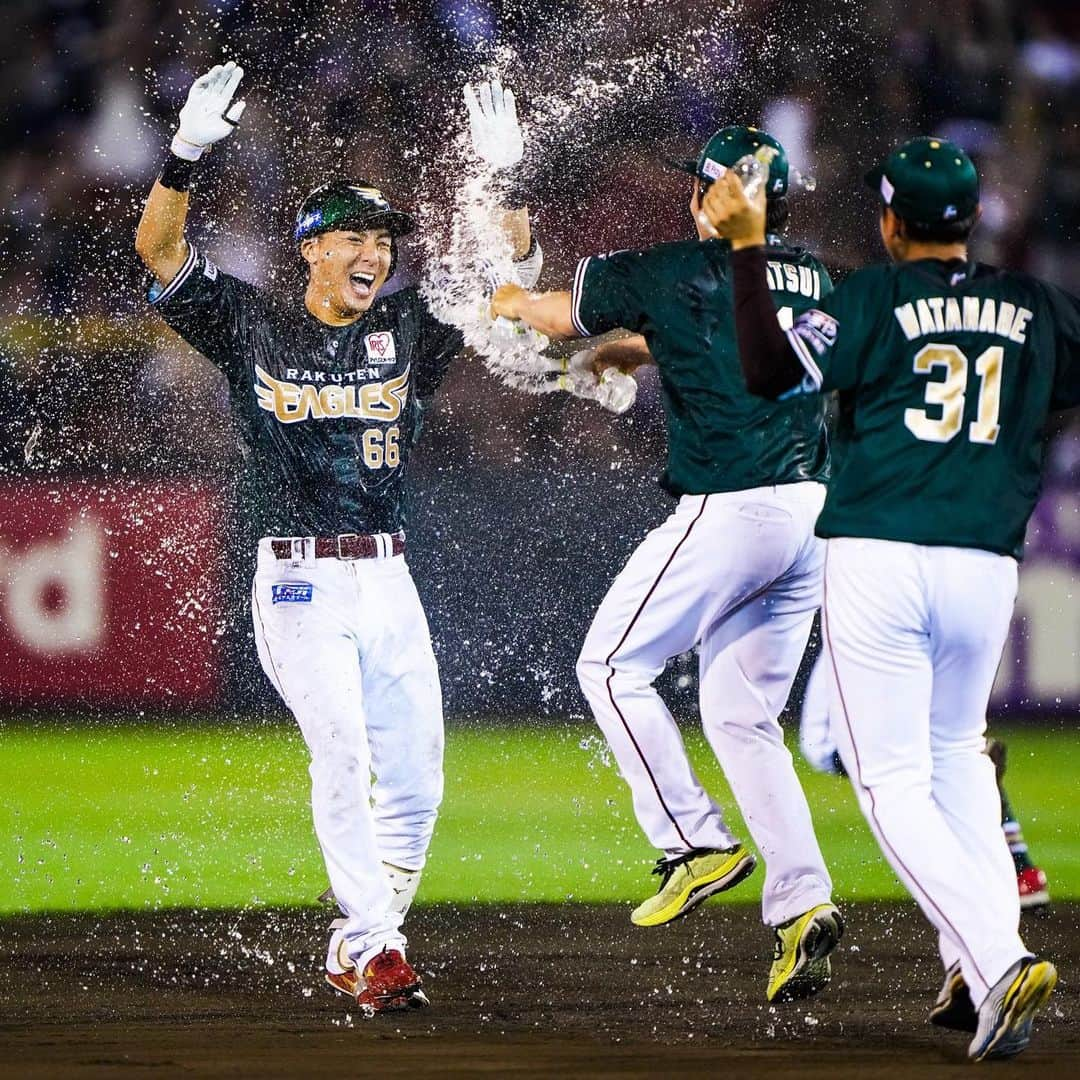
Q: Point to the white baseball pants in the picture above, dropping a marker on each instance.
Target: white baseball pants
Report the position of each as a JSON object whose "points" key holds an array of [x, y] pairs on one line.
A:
{"points": [[354, 664], [815, 734], [740, 574], [914, 636]]}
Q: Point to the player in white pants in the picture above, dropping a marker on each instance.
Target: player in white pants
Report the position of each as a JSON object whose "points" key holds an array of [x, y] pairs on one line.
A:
{"points": [[736, 569], [328, 390], [739, 573], [947, 372]]}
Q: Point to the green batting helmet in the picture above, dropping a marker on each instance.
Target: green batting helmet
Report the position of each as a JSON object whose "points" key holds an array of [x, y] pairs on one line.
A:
{"points": [[729, 145], [340, 204]]}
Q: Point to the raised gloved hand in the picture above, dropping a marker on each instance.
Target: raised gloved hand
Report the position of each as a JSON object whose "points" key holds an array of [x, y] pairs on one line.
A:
{"points": [[493, 123], [207, 116]]}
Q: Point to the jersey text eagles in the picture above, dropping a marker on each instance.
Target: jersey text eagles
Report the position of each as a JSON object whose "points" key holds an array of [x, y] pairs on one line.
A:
{"points": [[291, 403]]}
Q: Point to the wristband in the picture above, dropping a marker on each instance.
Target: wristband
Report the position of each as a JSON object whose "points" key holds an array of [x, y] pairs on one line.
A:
{"points": [[177, 173], [189, 151]]}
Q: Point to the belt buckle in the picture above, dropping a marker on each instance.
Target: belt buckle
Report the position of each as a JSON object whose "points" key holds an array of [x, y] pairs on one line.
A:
{"points": [[345, 536]]}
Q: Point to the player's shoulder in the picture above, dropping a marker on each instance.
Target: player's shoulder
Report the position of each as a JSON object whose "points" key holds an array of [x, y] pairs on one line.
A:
{"points": [[649, 258], [201, 279], [778, 247], [1021, 282]]}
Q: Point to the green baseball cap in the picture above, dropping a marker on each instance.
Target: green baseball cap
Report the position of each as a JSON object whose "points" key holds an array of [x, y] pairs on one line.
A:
{"points": [[927, 181], [729, 145], [343, 205]]}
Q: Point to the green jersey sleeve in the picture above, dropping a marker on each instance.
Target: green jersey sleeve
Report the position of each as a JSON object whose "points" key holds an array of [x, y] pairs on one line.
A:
{"points": [[829, 340], [607, 294], [1066, 313]]}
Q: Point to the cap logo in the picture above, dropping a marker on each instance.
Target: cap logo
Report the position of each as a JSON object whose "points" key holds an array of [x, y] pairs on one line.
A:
{"points": [[949, 212], [309, 221], [713, 169], [368, 193], [887, 190]]}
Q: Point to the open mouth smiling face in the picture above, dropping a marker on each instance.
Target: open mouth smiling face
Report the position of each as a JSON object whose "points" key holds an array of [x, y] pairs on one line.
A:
{"points": [[362, 285], [348, 268]]}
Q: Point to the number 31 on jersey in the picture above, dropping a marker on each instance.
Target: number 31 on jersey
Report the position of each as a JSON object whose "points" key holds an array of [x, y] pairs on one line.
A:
{"points": [[949, 395]]}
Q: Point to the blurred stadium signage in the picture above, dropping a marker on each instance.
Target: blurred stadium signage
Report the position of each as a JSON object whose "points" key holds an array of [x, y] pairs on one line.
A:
{"points": [[1040, 671], [109, 593]]}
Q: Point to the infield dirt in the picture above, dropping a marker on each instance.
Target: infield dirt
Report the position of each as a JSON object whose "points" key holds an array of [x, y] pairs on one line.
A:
{"points": [[521, 991]]}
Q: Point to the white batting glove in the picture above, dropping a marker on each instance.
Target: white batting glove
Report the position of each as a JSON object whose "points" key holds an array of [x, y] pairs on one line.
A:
{"points": [[207, 117], [493, 123]]}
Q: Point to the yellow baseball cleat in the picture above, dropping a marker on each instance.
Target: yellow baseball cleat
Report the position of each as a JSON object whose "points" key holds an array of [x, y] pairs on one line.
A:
{"points": [[691, 878], [801, 966], [1006, 1015]]}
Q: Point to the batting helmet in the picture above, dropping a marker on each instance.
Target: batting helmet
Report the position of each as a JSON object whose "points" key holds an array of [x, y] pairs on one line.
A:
{"points": [[343, 205], [726, 146]]}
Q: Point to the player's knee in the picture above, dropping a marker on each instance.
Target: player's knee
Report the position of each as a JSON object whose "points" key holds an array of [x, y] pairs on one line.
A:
{"points": [[341, 777], [591, 671]]}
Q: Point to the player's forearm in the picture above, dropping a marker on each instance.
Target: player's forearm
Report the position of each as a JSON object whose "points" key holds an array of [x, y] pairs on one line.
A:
{"points": [[159, 240], [769, 363], [547, 312], [625, 354], [518, 230]]}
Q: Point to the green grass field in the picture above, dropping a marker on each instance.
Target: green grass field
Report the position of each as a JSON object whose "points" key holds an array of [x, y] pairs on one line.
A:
{"points": [[100, 818]]}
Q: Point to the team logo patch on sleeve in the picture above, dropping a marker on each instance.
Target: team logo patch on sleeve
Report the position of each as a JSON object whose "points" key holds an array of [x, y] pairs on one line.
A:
{"points": [[380, 347], [293, 592]]}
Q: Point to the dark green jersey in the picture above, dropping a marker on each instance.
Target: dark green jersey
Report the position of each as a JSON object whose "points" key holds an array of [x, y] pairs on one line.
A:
{"points": [[946, 373], [720, 438], [329, 413]]}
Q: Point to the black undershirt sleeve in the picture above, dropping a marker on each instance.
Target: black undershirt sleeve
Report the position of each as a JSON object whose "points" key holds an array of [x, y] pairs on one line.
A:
{"points": [[769, 363]]}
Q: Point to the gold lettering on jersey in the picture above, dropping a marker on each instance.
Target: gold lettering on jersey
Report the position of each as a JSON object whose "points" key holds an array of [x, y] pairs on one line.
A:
{"points": [[788, 277], [291, 403], [969, 314]]}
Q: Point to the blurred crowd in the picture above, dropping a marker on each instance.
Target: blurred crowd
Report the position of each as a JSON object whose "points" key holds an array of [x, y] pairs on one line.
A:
{"points": [[371, 89]]}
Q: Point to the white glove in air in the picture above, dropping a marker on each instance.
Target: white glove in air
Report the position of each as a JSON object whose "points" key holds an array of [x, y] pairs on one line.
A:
{"points": [[493, 123], [207, 117]]}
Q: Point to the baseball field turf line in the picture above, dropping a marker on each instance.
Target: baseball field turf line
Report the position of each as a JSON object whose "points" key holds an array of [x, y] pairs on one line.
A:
{"points": [[103, 818]]}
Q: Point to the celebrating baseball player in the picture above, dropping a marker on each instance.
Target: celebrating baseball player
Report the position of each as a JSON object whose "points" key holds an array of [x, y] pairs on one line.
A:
{"points": [[330, 394], [736, 569], [947, 371]]}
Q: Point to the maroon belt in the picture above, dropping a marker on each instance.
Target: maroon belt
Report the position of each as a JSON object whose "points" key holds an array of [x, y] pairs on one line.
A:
{"points": [[345, 546]]}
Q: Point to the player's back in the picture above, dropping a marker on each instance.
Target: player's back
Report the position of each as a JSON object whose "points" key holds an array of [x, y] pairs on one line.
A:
{"points": [[678, 295], [947, 372]]}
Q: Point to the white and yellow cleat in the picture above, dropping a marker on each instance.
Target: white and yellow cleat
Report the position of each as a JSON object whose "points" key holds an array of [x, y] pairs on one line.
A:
{"points": [[1005, 1017], [690, 879], [801, 965]]}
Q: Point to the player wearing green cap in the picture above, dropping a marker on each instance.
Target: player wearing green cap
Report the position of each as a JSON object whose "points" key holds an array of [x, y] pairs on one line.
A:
{"points": [[947, 371], [736, 569], [329, 391]]}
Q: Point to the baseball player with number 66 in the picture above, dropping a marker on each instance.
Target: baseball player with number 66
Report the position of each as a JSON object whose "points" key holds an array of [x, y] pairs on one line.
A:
{"points": [[330, 394]]}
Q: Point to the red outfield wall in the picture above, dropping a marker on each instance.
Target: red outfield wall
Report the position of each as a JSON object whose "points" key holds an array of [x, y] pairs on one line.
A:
{"points": [[110, 593]]}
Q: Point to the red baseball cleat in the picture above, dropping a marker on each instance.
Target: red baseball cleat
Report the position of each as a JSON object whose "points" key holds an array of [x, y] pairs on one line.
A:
{"points": [[346, 983], [1031, 882], [389, 984]]}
